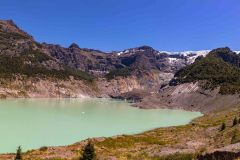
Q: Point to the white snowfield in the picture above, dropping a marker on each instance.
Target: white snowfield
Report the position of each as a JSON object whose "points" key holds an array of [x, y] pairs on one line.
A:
{"points": [[130, 51], [187, 53], [190, 56]]}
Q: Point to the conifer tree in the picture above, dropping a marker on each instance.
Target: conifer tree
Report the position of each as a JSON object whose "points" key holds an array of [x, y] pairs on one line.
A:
{"points": [[88, 152], [223, 126], [235, 121], [18, 154]]}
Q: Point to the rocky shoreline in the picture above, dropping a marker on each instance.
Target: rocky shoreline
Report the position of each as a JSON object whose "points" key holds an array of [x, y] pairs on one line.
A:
{"points": [[187, 96]]}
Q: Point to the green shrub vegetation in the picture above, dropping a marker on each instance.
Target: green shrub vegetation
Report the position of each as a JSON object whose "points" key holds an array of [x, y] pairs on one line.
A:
{"points": [[127, 141], [227, 55], [235, 137], [123, 72], [29, 62], [43, 149], [214, 71], [8, 40], [12, 36], [34, 56], [10, 66]]}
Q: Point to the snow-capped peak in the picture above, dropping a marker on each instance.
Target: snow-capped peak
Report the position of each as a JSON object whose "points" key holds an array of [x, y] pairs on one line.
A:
{"points": [[131, 51], [187, 53], [190, 55]]}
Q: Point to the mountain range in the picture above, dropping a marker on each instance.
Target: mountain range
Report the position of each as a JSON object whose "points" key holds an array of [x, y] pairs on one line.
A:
{"points": [[142, 74]]}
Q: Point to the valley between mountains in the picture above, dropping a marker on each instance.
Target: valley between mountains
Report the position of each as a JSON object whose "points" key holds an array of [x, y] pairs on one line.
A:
{"points": [[207, 81]]}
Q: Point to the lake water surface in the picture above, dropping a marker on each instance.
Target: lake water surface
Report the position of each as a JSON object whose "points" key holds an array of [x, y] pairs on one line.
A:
{"points": [[33, 123]]}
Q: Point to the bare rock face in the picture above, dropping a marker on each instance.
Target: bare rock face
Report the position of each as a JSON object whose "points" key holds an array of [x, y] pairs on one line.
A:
{"points": [[149, 82], [10, 27], [13, 40], [189, 96], [75, 57], [142, 58], [229, 152]]}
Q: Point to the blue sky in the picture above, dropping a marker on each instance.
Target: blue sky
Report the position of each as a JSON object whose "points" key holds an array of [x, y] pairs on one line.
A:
{"points": [[173, 25]]}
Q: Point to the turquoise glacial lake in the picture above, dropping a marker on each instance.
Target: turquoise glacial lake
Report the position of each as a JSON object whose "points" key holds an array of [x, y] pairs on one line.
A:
{"points": [[33, 123]]}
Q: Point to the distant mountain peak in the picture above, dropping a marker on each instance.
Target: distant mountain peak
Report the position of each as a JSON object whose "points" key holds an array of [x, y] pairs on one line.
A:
{"points": [[9, 26], [10, 22], [135, 50], [145, 47], [74, 45], [222, 50]]}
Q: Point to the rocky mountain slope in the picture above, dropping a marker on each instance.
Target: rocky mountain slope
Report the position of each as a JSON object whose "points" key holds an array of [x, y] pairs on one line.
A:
{"points": [[110, 73], [20, 54], [140, 58], [219, 68], [188, 80], [23, 64], [208, 84]]}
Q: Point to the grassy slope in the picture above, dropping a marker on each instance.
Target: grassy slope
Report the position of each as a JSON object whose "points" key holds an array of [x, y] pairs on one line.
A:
{"points": [[123, 72], [189, 140]]}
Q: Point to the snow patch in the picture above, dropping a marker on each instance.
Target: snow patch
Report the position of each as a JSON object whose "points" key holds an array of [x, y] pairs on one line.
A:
{"points": [[188, 53], [172, 60], [238, 52]]}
